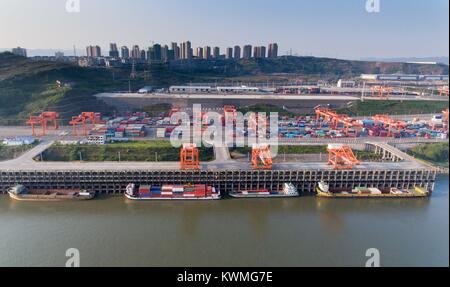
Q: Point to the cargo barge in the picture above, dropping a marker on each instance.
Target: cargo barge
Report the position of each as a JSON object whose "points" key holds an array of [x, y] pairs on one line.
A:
{"points": [[324, 190], [22, 193], [171, 192], [289, 190]]}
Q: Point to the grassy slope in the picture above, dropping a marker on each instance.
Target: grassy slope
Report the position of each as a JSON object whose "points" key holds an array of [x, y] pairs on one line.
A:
{"points": [[10, 152], [436, 153], [325, 67], [370, 108], [132, 151], [29, 87]]}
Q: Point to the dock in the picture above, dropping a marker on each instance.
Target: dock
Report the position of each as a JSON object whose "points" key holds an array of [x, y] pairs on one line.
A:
{"points": [[398, 170]]}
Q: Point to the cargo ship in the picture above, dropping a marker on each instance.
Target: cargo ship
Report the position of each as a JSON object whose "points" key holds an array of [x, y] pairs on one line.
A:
{"points": [[289, 190], [22, 193], [172, 192], [323, 190]]}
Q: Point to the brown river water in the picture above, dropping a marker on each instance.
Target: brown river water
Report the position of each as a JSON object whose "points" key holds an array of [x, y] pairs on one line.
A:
{"points": [[304, 231]]}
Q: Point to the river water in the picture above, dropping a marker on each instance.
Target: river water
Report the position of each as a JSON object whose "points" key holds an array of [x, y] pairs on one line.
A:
{"points": [[276, 232]]}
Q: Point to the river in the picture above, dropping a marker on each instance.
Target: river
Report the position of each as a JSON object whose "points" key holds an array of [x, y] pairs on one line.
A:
{"points": [[276, 232]]}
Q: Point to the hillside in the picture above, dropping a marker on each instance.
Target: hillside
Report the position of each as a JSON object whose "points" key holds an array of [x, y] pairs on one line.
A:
{"points": [[324, 67], [28, 87]]}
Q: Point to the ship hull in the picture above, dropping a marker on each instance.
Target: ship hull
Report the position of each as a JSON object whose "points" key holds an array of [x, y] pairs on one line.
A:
{"points": [[48, 198], [323, 194], [133, 198], [238, 195]]}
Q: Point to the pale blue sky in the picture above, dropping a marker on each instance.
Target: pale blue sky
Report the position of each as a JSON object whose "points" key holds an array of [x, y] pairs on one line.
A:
{"points": [[332, 28]]}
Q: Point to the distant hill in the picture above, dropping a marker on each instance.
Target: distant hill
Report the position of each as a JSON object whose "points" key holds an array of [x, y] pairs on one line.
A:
{"points": [[28, 87], [441, 60], [325, 67]]}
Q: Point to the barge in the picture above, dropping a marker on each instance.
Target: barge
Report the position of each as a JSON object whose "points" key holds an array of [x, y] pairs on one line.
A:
{"points": [[289, 190], [171, 192], [324, 190], [22, 193]]}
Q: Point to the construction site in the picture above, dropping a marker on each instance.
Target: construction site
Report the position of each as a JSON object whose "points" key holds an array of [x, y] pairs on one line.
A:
{"points": [[341, 168]]}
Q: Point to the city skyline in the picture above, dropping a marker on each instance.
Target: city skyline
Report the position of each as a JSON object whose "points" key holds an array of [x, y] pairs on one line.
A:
{"points": [[318, 28]]}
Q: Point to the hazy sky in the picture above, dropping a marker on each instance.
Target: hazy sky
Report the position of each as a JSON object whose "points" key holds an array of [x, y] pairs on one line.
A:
{"points": [[333, 28]]}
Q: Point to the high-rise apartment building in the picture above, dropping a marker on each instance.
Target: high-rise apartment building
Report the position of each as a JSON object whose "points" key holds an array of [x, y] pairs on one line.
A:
{"points": [[176, 51], [165, 53], [273, 50], [113, 51], [259, 52], [157, 53], [247, 52], [229, 53], [199, 53], [207, 53], [188, 52], [125, 52], [237, 52], [143, 55], [93, 52], [135, 52], [216, 53]]}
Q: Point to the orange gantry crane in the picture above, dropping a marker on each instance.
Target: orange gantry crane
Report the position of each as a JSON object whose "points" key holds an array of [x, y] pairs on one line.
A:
{"points": [[342, 157], [389, 123], [381, 92], [82, 120], [37, 121], [261, 157], [445, 113], [330, 116], [92, 117], [79, 121], [42, 120], [52, 117], [189, 157]]}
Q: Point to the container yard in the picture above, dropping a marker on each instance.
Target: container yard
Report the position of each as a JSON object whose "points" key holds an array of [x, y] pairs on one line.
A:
{"points": [[326, 123]]}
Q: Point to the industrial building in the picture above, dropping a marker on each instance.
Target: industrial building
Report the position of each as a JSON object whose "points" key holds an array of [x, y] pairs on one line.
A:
{"points": [[19, 51], [403, 77]]}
